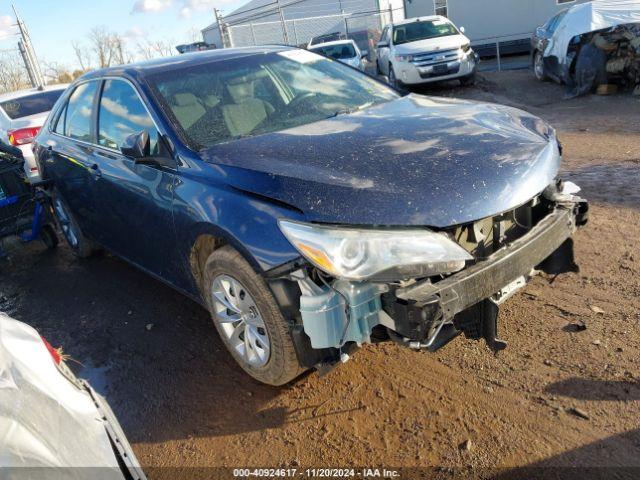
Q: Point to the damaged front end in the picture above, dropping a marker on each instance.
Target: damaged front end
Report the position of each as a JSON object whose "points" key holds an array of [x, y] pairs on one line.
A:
{"points": [[419, 287]]}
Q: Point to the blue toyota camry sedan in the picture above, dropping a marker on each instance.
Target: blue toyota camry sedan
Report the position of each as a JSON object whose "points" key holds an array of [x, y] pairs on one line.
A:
{"points": [[310, 208]]}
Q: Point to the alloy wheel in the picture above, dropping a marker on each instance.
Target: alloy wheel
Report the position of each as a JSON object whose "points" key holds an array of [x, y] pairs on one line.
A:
{"points": [[65, 223], [240, 321], [538, 66]]}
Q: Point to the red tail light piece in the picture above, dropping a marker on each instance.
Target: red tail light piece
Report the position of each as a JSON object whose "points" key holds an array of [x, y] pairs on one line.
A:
{"points": [[23, 136], [52, 351]]}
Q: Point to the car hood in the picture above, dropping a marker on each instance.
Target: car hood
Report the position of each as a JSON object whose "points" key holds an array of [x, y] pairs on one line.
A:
{"points": [[412, 161], [429, 45]]}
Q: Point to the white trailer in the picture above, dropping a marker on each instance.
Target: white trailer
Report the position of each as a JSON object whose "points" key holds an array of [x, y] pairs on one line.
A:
{"points": [[509, 22]]}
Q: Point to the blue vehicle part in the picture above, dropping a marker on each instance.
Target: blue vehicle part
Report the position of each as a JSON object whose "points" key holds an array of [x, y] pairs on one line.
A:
{"points": [[36, 225], [341, 313]]}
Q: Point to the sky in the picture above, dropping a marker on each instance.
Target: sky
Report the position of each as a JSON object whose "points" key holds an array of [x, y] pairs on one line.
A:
{"points": [[55, 24]]}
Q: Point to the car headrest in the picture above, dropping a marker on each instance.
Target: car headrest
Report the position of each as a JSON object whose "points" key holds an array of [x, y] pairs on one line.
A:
{"points": [[240, 89], [185, 99]]}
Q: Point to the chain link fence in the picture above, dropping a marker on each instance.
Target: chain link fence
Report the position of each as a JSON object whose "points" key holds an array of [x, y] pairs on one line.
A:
{"points": [[364, 28]]}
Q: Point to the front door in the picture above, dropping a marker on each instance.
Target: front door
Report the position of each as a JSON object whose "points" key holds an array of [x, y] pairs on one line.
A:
{"points": [[134, 200]]}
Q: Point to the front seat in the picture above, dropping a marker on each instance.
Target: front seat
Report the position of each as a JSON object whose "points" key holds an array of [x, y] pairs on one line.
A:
{"points": [[245, 112], [187, 109]]}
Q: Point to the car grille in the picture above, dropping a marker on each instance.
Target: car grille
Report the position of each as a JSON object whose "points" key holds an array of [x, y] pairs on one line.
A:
{"points": [[484, 237], [434, 58]]}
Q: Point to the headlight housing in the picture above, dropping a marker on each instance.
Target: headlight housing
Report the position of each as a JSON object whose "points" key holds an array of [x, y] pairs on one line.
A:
{"points": [[379, 255], [404, 58], [466, 47]]}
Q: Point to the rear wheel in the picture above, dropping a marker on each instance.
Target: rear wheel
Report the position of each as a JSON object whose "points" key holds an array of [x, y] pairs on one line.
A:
{"points": [[248, 318], [81, 246], [538, 66], [48, 236]]}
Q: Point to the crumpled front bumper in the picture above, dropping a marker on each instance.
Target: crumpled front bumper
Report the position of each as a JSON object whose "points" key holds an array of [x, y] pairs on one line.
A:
{"points": [[428, 314]]}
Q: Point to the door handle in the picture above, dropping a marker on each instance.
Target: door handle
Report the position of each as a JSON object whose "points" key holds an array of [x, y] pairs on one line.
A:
{"points": [[95, 170]]}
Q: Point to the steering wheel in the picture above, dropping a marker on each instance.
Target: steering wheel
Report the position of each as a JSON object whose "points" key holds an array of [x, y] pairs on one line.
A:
{"points": [[293, 104]]}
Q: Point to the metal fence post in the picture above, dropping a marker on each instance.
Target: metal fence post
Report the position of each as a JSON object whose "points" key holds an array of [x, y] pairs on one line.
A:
{"points": [[295, 32], [253, 34], [498, 54]]}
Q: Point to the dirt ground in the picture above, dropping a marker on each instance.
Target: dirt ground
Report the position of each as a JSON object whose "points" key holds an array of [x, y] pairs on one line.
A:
{"points": [[184, 403]]}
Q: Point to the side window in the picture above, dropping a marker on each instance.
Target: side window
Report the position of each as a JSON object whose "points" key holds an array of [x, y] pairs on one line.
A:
{"points": [[59, 128], [384, 36], [78, 112], [121, 114]]}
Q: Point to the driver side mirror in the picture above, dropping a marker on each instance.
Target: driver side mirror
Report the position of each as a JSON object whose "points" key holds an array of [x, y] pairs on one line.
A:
{"points": [[137, 145], [383, 45], [364, 53], [462, 29]]}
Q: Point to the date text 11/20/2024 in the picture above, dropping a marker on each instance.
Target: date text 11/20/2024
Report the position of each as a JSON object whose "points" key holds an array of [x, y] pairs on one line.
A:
{"points": [[316, 472]]}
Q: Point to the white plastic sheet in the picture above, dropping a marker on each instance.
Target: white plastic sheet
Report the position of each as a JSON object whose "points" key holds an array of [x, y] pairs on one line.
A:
{"points": [[588, 17], [46, 420]]}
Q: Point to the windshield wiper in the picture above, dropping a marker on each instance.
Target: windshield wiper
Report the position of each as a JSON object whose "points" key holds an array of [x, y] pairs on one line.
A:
{"points": [[346, 111]]}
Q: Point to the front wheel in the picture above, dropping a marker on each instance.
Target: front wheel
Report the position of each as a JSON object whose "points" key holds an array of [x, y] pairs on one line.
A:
{"points": [[248, 318], [538, 66], [468, 80], [393, 81]]}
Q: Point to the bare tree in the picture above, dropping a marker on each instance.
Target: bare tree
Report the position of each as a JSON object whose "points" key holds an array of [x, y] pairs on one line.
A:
{"points": [[13, 75], [102, 46], [83, 56], [149, 49]]}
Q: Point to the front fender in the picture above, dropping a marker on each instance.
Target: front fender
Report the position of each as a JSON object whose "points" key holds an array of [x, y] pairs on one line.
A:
{"points": [[247, 223]]}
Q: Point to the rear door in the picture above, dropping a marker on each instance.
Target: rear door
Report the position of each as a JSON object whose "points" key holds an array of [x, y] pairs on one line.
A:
{"points": [[68, 160], [133, 200]]}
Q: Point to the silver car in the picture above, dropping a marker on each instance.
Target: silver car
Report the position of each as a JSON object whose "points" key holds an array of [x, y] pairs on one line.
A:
{"points": [[22, 114]]}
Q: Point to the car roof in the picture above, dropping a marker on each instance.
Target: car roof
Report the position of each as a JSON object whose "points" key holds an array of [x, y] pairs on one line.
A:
{"points": [[429, 18], [164, 64], [334, 42], [31, 91]]}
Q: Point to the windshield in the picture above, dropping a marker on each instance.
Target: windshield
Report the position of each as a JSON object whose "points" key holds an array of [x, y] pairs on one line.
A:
{"points": [[228, 99], [337, 52], [412, 32], [30, 104]]}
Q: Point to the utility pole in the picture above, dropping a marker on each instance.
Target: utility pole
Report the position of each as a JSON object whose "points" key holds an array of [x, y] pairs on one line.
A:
{"points": [[285, 37], [28, 54], [223, 37]]}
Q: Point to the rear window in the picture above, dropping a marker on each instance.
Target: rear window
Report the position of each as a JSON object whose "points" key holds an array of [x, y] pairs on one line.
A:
{"points": [[337, 52], [33, 104]]}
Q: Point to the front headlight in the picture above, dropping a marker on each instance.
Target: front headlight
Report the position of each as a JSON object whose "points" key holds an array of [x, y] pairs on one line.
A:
{"points": [[466, 47], [404, 58], [382, 255]]}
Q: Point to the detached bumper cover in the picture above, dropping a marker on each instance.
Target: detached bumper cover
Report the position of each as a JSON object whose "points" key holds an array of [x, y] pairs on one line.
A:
{"points": [[483, 279]]}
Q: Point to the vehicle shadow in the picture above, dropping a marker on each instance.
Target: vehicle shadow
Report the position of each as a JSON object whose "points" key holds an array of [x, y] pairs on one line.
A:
{"points": [[589, 389], [162, 366], [615, 457]]}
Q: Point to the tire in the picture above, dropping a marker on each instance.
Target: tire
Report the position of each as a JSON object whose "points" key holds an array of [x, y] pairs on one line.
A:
{"points": [[538, 66], [393, 81], [468, 80], [267, 327], [80, 245], [49, 237]]}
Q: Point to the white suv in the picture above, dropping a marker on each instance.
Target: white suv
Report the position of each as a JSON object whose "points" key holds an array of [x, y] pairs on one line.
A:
{"points": [[425, 49]]}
